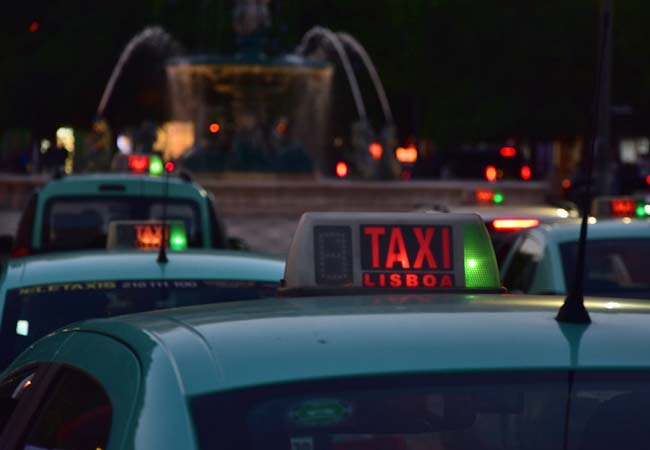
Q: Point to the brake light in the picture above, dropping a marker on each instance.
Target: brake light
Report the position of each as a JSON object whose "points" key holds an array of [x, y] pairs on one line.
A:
{"points": [[526, 173], [20, 252], [514, 224], [138, 163], [508, 152]]}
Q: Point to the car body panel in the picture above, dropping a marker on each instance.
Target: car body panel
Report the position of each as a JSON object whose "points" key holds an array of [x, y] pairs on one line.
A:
{"points": [[99, 265], [243, 344]]}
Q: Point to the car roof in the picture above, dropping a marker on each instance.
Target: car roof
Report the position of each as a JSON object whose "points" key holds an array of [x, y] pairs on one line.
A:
{"points": [[544, 213], [244, 344], [602, 229], [104, 265], [131, 184]]}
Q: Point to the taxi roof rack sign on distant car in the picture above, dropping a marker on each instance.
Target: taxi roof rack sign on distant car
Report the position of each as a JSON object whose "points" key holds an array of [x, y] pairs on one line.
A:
{"points": [[338, 253]]}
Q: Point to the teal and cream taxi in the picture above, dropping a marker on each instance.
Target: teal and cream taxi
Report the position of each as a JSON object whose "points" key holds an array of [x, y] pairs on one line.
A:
{"points": [[392, 332], [74, 212]]}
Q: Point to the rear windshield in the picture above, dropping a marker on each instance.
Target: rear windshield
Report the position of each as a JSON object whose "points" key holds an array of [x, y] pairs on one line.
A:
{"points": [[615, 267], [493, 410], [73, 223], [31, 312]]}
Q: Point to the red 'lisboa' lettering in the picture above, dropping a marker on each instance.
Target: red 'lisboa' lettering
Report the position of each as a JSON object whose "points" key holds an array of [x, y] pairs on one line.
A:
{"points": [[407, 280], [446, 282], [429, 280]]}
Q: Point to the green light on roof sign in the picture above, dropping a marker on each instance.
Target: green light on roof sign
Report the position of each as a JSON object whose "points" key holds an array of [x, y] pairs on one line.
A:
{"points": [[155, 165]]}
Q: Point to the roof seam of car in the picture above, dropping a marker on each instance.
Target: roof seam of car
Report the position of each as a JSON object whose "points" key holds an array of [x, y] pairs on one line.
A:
{"points": [[215, 361]]}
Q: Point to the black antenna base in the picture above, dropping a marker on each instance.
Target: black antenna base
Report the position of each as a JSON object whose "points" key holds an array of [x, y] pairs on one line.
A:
{"points": [[162, 255], [573, 310]]}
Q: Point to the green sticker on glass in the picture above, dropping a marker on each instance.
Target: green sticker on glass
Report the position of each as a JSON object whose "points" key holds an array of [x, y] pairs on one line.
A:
{"points": [[320, 413]]}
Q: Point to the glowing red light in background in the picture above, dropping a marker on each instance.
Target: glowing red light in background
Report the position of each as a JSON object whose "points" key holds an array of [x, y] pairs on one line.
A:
{"points": [[491, 174], [20, 252], [170, 166], [281, 128], [566, 183], [214, 128], [341, 169], [526, 173], [647, 180], [508, 152], [34, 26], [376, 150], [406, 155], [138, 163]]}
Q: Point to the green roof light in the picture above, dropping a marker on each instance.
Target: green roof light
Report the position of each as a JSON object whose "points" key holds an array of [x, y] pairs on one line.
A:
{"points": [[498, 198], [177, 237], [481, 270], [155, 165]]}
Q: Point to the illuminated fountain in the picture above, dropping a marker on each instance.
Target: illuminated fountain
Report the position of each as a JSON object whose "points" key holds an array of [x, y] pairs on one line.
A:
{"points": [[251, 112]]}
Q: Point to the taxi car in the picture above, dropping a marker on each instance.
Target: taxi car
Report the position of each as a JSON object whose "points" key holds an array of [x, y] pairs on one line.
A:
{"points": [[73, 212], [504, 222], [391, 333], [543, 260], [41, 293]]}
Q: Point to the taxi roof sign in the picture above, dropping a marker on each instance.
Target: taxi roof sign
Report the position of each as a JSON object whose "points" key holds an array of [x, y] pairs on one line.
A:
{"points": [[390, 252], [146, 234], [636, 206]]}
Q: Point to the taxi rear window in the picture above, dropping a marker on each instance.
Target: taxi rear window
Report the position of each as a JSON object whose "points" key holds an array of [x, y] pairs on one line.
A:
{"points": [[75, 223], [479, 410], [31, 312], [615, 267]]}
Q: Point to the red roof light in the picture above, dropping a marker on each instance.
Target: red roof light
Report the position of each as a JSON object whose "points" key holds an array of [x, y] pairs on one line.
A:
{"points": [[622, 207], [138, 163]]}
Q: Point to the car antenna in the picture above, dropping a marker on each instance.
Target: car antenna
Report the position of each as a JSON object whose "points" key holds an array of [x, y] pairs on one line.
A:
{"points": [[162, 252], [573, 310]]}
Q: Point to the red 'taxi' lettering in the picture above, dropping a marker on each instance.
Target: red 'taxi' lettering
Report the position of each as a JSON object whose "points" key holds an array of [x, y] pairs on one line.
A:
{"points": [[397, 250], [374, 233], [424, 242], [395, 280], [445, 281], [446, 254]]}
